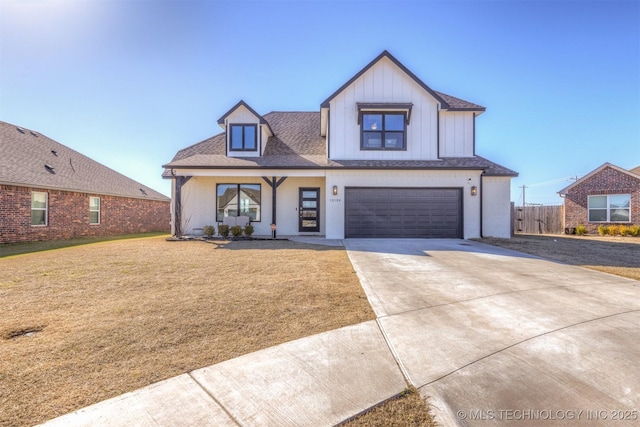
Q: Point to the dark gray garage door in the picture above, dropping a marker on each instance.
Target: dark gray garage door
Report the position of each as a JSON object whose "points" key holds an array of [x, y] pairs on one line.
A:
{"points": [[403, 212]]}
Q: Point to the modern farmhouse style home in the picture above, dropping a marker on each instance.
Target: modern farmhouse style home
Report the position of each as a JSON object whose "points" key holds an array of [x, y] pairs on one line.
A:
{"points": [[386, 156]]}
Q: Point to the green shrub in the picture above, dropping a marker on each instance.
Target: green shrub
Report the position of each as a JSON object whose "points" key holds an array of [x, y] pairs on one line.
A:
{"points": [[603, 230], [236, 231], [208, 230], [223, 230], [248, 230], [581, 230]]}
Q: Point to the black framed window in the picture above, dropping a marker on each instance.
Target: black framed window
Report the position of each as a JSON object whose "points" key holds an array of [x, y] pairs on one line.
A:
{"points": [[243, 137], [383, 131], [238, 200]]}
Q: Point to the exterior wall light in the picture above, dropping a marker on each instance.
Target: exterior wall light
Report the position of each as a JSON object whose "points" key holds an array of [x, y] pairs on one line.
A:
{"points": [[335, 190], [474, 190]]}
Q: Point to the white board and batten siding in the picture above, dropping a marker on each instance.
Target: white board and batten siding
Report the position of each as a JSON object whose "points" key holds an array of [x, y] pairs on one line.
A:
{"points": [[386, 83], [456, 134], [243, 116], [383, 83]]}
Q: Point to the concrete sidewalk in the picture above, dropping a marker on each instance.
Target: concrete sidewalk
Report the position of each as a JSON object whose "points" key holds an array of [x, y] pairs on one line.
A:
{"points": [[320, 380]]}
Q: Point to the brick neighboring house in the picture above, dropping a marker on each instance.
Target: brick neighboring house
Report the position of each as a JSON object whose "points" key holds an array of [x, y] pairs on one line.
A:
{"points": [[49, 192], [607, 195]]}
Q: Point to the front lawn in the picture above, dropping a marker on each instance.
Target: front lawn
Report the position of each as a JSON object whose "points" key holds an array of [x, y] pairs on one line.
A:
{"points": [[611, 254], [86, 323]]}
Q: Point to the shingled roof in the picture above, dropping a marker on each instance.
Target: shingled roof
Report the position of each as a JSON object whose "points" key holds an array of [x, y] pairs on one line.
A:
{"points": [[28, 158], [297, 144]]}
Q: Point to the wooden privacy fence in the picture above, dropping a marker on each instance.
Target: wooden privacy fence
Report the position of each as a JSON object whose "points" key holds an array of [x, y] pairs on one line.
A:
{"points": [[538, 219]]}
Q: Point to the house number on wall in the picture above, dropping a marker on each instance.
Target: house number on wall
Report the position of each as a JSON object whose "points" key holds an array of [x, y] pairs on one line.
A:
{"points": [[335, 200]]}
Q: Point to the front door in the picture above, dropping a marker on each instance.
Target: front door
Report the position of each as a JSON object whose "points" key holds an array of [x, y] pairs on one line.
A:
{"points": [[309, 210]]}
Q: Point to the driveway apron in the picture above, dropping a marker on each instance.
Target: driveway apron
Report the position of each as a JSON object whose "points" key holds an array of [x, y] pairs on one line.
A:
{"points": [[497, 336]]}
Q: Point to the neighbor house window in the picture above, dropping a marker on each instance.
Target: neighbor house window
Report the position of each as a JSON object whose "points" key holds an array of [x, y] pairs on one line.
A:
{"points": [[383, 131], [39, 208], [610, 208], [94, 210], [238, 200], [244, 138]]}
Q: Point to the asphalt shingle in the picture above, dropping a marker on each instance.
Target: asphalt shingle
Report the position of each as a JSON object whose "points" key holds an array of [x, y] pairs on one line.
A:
{"points": [[28, 158], [297, 144]]}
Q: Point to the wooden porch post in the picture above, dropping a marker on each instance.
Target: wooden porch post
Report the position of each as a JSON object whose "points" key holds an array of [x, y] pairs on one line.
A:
{"points": [[274, 186]]}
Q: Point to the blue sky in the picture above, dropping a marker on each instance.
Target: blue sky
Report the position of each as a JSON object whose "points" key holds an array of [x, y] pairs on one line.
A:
{"points": [[130, 82]]}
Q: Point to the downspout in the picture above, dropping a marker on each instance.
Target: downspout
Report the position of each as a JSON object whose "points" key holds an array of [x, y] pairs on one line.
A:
{"points": [[438, 132], [481, 204]]}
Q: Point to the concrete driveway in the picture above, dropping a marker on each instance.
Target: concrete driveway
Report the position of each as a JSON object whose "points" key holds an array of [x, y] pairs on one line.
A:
{"points": [[499, 337]]}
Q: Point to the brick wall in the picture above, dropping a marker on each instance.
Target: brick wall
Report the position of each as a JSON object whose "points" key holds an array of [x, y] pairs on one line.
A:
{"points": [[69, 215], [607, 181]]}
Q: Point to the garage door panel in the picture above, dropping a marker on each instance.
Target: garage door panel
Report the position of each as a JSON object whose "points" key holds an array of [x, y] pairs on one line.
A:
{"points": [[403, 212]]}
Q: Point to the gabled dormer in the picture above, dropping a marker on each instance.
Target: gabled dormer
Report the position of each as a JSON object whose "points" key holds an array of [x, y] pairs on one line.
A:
{"points": [[246, 131], [385, 112]]}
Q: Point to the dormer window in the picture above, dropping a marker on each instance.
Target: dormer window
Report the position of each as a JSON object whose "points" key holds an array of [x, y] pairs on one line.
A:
{"points": [[383, 131], [243, 137]]}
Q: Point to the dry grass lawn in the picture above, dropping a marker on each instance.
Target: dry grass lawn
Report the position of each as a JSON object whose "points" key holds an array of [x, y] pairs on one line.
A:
{"points": [[611, 254], [83, 324], [407, 410]]}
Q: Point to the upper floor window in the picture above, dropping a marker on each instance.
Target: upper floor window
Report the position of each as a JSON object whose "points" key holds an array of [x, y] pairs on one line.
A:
{"points": [[383, 131], [39, 208], [610, 208], [94, 210], [244, 138]]}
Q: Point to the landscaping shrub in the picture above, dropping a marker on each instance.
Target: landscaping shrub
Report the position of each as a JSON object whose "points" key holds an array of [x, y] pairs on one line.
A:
{"points": [[624, 230], [603, 230], [248, 230], [223, 230], [208, 230], [236, 231], [581, 230], [613, 230], [634, 230]]}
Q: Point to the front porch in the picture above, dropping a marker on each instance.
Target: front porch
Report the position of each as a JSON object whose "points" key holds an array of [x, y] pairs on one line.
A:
{"points": [[295, 204]]}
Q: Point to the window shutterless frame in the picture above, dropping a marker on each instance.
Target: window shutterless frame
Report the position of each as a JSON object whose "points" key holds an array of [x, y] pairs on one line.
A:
{"points": [[94, 210], [238, 200], [39, 208], [609, 208], [383, 130], [243, 137]]}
